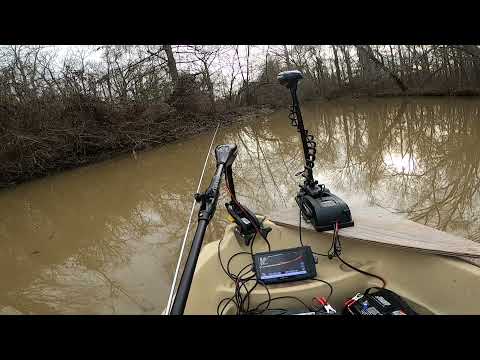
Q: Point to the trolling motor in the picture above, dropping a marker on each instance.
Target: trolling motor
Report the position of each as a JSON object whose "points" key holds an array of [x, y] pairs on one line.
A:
{"points": [[317, 204]]}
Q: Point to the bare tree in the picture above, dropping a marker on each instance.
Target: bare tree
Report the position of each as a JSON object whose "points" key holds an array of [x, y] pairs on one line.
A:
{"points": [[172, 65], [367, 50], [337, 66], [287, 56], [348, 64]]}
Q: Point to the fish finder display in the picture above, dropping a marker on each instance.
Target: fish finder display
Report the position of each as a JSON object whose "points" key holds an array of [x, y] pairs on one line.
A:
{"points": [[285, 265]]}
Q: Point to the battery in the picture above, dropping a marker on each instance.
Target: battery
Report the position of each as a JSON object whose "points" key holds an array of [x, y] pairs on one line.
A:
{"points": [[380, 302]]}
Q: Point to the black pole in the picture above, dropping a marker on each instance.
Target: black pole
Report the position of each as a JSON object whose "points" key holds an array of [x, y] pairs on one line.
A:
{"points": [[290, 79], [209, 202], [187, 276], [225, 155], [303, 133]]}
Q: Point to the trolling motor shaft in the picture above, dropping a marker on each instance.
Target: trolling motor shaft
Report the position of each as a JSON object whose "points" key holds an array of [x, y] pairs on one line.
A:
{"points": [[318, 205]]}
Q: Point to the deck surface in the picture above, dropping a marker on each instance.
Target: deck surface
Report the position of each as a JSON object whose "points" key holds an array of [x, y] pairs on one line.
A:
{"points": [[376, 225]]}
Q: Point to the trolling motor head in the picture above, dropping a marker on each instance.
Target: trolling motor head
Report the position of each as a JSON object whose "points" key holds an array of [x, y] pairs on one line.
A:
{"points": [[318, 205], [289, 78]]}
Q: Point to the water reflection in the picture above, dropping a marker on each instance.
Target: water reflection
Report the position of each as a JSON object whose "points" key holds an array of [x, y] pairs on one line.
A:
{"points": [[104, 239], [101, 239], [418, 157]]}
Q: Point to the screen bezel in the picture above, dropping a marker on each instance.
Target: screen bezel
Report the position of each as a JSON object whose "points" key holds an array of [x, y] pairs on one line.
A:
{"points": [[309, 265]]}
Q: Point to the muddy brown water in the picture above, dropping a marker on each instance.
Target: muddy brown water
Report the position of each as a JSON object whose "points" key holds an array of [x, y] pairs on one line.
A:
{"points": [[104, 239]]}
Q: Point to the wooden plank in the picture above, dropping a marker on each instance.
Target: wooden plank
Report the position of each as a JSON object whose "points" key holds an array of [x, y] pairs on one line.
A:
{"points": [[376, 225]]}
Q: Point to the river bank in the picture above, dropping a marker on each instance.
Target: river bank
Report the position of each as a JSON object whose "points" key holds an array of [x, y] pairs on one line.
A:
{"points": [[85, 135], [53, 138]]}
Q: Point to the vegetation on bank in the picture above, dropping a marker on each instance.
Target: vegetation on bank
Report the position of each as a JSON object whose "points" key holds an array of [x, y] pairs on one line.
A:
{"points": [[58, 113]]}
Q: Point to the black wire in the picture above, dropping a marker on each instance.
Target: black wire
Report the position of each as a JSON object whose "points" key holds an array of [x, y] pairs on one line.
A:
{"points": [[242, 301], [227, 271], [300, 234], [335, 251], [247, 294], [238, 278], [221, 301], [255, 310], [329, 285], [363, 272], [220, 259], [284, 297], [241, 279], [337, 254], [233, 256], [239, 300], [237, 294], [238, 287], [335, 247]]}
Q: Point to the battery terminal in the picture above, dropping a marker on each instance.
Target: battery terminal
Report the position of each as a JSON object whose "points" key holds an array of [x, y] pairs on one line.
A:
{"points": [[354, 299]]}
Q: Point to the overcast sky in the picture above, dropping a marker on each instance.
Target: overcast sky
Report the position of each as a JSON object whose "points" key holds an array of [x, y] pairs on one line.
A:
{"points": [[219, 69]]}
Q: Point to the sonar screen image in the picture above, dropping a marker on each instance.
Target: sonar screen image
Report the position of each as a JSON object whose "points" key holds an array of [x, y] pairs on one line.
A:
{"points": [[283, 264]]}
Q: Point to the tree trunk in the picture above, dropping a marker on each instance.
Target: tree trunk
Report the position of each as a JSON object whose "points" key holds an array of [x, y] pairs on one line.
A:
{"points": [[474, 52], [369, 53], [402, 61], [172, 65], [209, 83], [287, 57], [248, 75], [337, 66], [392, 58], [346, 57]]}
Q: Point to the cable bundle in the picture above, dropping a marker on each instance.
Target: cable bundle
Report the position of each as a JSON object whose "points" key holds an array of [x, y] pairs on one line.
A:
{"points": [[336, 249]]}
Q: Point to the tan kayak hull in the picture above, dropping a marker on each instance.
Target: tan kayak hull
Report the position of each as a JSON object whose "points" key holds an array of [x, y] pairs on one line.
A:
{"points": [[431, 283]]}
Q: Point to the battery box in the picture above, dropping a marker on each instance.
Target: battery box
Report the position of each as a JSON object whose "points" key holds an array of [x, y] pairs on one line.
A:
{"points": [[380, 302]]}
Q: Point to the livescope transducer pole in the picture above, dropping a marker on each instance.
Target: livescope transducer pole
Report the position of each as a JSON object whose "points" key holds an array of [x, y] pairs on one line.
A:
{"points": [[290, 80], [318, 205], [225, 155], [301, 129]]}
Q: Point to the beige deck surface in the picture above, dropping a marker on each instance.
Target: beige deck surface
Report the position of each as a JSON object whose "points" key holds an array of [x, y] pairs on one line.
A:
{"points": [[380, 226]]}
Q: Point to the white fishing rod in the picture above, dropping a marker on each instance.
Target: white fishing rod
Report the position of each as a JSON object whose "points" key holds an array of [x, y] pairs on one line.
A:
{"points": [[225, 155]]}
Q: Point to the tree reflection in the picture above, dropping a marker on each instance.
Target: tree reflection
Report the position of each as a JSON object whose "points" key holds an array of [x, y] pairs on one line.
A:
{"points": [[97, 220], [418, 157]]}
